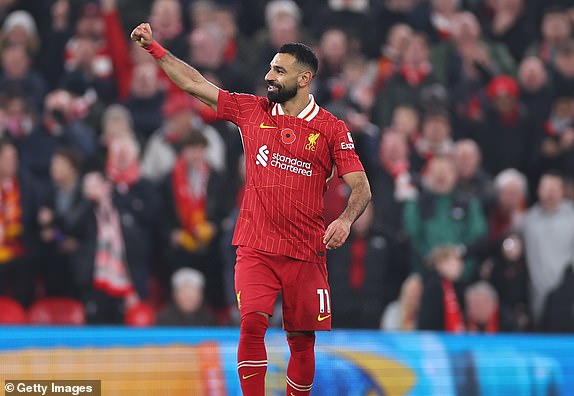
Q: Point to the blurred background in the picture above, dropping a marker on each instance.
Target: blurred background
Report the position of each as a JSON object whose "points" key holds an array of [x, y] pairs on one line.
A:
{"points": [[119, 193]]}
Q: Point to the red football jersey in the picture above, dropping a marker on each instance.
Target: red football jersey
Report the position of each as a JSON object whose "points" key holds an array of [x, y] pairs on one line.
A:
{"points": [[288, 161]]}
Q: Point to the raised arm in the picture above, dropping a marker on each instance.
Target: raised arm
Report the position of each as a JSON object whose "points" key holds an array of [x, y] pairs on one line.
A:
{"points": [[183, 75], [337, 232]]}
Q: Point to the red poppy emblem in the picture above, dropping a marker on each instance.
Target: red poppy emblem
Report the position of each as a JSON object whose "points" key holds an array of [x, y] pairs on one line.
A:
{"points": [[288, 136]]}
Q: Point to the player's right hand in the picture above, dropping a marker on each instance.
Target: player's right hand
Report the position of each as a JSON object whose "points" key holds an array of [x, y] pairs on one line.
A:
{"points": [[142, 35]]}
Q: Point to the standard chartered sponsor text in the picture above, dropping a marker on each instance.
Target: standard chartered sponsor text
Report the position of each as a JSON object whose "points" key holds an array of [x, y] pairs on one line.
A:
{"points": [[293, 165]]}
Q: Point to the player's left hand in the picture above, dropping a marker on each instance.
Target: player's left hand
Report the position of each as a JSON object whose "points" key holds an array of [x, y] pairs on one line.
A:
{"points": [[336, 234]]}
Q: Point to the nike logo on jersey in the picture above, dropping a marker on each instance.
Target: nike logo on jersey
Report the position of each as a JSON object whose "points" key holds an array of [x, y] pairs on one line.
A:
{"points": [[322, 318], [248, 376], [263, 126]]}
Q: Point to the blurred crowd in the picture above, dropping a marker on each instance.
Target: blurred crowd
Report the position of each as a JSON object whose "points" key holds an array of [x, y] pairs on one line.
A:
{"points": [[118, 190]]}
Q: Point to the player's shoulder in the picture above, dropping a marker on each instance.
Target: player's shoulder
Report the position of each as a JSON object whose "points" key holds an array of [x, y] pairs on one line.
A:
{"points": [[328, 122], [247, 98]]}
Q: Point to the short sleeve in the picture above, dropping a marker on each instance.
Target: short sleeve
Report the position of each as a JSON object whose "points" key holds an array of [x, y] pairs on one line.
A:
{"points": [[228, 107], [344, 155], [236, 107]]}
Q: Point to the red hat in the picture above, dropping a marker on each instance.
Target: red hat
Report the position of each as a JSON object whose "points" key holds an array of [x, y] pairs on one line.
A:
{"points": [[502, 85], [176, 103]]}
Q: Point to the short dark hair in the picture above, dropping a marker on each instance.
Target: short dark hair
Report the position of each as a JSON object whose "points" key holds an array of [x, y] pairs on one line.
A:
{"points": [[72, 155], [195, 138], [303, 54]]}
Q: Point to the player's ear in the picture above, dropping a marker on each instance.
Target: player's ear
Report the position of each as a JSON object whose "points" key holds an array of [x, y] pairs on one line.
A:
{"points": [[305, 78]]}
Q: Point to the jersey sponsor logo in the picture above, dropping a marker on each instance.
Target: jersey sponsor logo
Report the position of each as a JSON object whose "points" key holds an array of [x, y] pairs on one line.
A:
{"points": [[276, 160], [263, 126], [322, 318], [238, 295], [350, 145], [312, 141], [288, 136], [262, 156], [248, 376]]}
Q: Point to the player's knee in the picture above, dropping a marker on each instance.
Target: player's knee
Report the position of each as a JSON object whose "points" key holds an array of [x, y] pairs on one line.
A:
{"points": [[301, 341], [254, 325]]}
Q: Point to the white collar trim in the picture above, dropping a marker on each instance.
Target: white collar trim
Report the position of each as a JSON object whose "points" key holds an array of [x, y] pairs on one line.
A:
{"points": [[308, 113]]}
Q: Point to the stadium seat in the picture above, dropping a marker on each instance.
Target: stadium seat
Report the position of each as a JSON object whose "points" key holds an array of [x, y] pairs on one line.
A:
{"points": [[140, 315], [57, 311], [11, 312]]}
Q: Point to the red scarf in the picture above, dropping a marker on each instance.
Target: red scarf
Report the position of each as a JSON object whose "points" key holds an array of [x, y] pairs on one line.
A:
{"points": [[111, 273], [191, 206], [491, 327], [453, 320], [10, 221], [127, 176], [415, 76]]}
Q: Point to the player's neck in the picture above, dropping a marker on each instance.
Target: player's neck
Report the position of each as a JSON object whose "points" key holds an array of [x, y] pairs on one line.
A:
{"points": [[295, 105]]}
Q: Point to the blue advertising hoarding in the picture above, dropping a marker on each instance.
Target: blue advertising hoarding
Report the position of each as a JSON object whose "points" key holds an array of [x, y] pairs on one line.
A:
{"points": [[355, 363]]}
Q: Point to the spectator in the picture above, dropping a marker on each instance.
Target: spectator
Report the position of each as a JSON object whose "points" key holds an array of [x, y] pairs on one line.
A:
{"points": [[19, 29], [192, 196], [333, 52], [508, 273], [481, 303], [187, 306], [556, 30], [18, 117], [114, 227], [435, 139], [472, 179], [54, 39], [392, 52], [467, 61], [548, 234], [511, 203], [282, 25], [16, 226], [506, 135], [145, 100], [168, 28], [435, 18], [116, 122], [404, 88], [355, 18], [59, 247], [18, 75], [441, 215], [87, 60], [558, 145], [401, 315], [535, 89], [354, 294], [207, 52], [563, 70], [61, 126], [180, 121], [392, 185], [441, 305], [406, 120], [511, 26], [558, 314]]}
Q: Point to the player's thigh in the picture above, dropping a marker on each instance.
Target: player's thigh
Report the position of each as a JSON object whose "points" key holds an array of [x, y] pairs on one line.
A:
{"points": [[306, 297], [256, 284]]}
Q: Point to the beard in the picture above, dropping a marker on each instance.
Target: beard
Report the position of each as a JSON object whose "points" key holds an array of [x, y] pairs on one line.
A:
{"points": [[283, 94]]}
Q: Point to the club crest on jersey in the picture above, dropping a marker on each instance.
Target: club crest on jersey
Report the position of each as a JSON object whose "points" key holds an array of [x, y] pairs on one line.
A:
{"points": [[312, 141], [288, 136]]}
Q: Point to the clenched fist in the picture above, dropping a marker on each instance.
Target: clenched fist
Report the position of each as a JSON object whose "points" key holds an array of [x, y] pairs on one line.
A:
{"points": [[142, 35]]}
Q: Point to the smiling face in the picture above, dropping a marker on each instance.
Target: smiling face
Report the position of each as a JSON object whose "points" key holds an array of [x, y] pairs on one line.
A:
{"points": [[285, 77]]}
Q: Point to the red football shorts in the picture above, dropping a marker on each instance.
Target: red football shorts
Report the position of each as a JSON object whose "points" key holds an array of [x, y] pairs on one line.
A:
{"points": [[260, 276]]}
